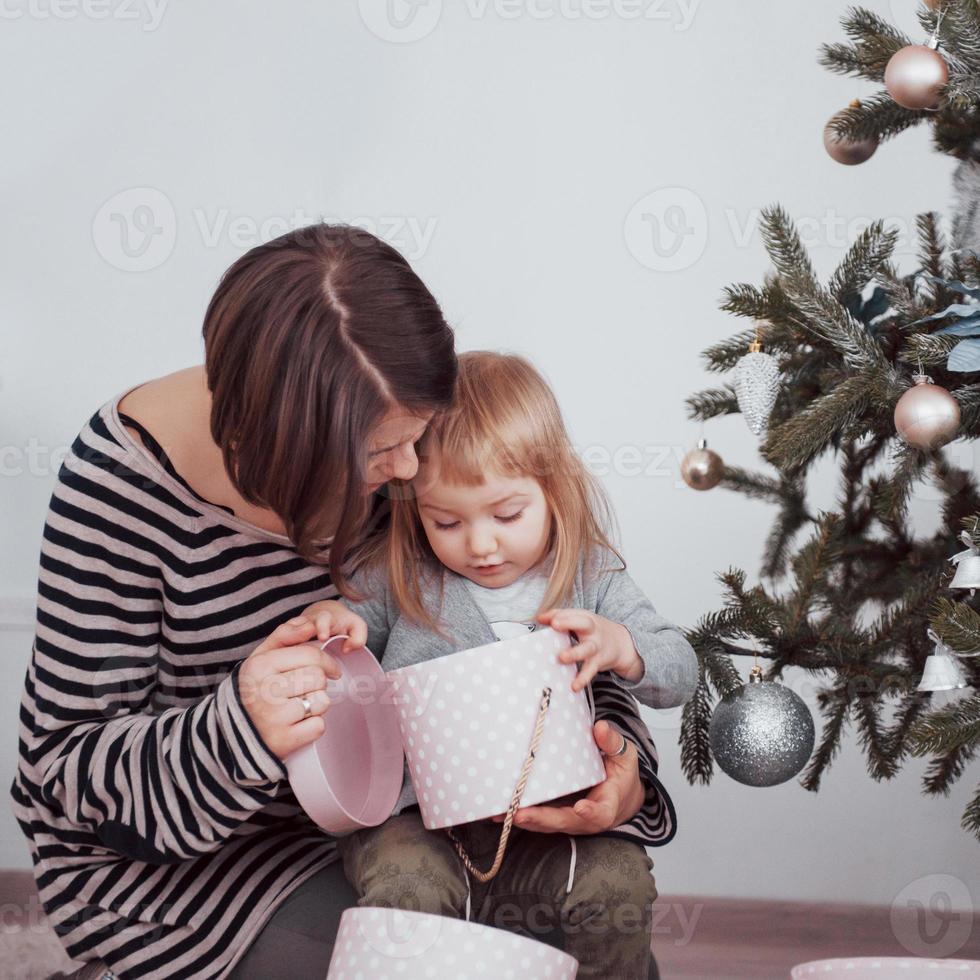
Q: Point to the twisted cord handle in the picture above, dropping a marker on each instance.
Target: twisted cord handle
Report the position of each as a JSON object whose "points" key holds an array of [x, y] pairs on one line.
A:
{"points": [[485, 876]]}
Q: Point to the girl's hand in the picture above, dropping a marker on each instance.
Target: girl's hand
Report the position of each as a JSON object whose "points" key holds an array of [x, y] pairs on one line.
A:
{"points": [[600, 645], [332, 618], [613, 802]]}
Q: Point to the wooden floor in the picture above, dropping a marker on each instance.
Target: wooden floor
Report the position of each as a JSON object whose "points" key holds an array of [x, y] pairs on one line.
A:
{"points": [[694, 938], [725, 938]]}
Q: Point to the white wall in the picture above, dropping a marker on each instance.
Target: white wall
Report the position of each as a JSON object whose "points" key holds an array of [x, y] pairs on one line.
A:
{"points": [[504, 154]]}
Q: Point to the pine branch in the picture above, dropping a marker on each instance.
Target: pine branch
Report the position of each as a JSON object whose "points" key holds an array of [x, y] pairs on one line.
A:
{"points": [[959, 488], [928, 348], [768, 303], [696, 760], [836, 714], [712, 402], [877, 116], [811, 565], [905, 303], [972, 527], [947, 728], [880, 762], [955, 129], [754, 485], [904, 620], [726, 354], [931, 244], [711, 627], [875, 41], [721, 672], [784, 247], [900, 733], [968, 398], [757, 610], [959, 32], [824, 317], [958, 624], [863, 260], [947, 769], [795, 442], [891, 504]]}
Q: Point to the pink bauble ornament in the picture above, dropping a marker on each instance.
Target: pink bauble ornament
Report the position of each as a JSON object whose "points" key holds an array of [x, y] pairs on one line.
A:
{"points": [[915, 76], [701, 468], [848, 151], [927, 415]]}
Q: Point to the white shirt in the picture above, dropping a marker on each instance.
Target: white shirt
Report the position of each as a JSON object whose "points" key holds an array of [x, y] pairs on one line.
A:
{"points": [[511, 609]]}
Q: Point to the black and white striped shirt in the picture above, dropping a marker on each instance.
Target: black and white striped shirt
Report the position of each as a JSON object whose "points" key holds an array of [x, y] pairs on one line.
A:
{"points": [[163, 831]]}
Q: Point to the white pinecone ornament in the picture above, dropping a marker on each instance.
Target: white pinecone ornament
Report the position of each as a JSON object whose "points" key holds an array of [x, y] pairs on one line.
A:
{"points": [[756, 385]]}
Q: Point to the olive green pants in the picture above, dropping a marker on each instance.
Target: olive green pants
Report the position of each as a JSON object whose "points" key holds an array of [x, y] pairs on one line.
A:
{"points": [[597, 890]]}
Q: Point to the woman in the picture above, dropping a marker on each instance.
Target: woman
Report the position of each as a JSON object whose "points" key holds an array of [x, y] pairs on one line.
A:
{"points": [[193, 517]]}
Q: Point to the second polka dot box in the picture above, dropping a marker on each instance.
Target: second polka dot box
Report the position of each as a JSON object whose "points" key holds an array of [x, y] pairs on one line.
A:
{"points": [[391, 944], [467, 722]]}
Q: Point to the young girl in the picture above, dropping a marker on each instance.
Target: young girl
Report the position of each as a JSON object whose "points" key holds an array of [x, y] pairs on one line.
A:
{"points": [[502, 530]]}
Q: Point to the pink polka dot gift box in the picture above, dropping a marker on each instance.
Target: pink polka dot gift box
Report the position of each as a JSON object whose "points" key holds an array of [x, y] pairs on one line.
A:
{"points": [[390, 944], [350, 777], [475, 722], [886, 968]]}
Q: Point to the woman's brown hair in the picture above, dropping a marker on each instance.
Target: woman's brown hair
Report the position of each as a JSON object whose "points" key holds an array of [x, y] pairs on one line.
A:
{"points": [[310, 340], [505, 419]]}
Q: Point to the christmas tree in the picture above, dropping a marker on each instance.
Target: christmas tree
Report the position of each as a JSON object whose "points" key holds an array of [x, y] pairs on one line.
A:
{"points": [[852, 594]]}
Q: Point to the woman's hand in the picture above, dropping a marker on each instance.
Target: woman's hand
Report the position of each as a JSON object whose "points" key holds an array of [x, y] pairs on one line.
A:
{"points": [[275, 677], [601, 645], [333, 618], [614, 801]]}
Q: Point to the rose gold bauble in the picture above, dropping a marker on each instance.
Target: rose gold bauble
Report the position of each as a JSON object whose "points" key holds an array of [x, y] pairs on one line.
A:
{"points": [[915, 75], [847, 151], [927, 415], [702, 468]]}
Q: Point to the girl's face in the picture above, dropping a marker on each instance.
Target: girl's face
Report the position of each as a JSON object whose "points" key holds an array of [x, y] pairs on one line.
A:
{"points": [[492, 533]]}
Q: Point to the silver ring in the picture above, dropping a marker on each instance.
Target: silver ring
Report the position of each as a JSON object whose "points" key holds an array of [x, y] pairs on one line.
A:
{"points": [[622, 751], [307, 707]]}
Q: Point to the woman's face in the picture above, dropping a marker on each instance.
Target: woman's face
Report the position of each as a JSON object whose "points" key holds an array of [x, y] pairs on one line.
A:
{"points": [[492, 533], [391, 452]]}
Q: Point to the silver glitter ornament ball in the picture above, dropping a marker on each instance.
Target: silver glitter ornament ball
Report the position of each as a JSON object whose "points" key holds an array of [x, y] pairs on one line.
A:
{"points": [[761, 733], [756, 387]]}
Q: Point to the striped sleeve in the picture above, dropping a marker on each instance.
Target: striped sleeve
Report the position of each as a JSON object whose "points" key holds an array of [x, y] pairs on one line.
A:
{"points": [[656, 823], [157, 786]]}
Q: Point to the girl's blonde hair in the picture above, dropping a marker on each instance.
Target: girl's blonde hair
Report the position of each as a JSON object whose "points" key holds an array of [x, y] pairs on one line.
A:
{"points": [[504, 418]]}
